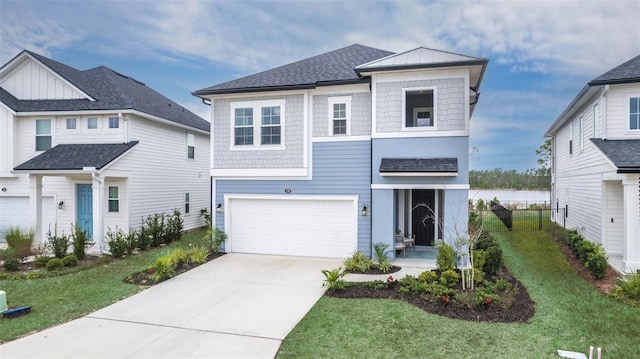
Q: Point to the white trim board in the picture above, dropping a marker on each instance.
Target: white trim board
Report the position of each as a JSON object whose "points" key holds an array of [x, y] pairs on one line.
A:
{"points": [[420, 186]]}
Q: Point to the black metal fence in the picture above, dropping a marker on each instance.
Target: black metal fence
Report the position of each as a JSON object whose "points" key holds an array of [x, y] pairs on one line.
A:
{"points": [[501, 219]]}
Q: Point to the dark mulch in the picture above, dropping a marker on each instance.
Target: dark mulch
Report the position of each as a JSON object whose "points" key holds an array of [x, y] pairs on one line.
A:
{"points": [[376, 270], [29, 265], [519, 310], [144, 278]]}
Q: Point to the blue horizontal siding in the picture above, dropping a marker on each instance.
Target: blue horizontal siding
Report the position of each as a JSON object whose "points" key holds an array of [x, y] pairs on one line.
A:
{"points": [[339, 168]]}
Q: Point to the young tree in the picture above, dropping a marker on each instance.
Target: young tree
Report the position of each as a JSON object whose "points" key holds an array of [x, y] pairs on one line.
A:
{"points": [[544, 158]]}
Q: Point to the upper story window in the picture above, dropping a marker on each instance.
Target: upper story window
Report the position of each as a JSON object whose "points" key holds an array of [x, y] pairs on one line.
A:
{"points": [[257, 124], [114, 199], [270, 125], [340, 115], [71, 123], [634, 113], [191, 145], [92, 123], [419, 108], [43, 135], [114, 122], [596, 120]]}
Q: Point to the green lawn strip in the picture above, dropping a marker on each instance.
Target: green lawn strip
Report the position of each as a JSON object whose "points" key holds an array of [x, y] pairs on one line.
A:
{"points": [[570, 315], [59, 299]]}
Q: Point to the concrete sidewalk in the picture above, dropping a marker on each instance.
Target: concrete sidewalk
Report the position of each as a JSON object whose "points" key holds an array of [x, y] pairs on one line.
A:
{"points": [[237, 306]]}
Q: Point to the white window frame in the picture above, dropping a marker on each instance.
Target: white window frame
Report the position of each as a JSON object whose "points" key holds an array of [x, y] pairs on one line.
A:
{"points": [[257, 106], [110, 199], [335, 101], [627, 113], [117, 122], [596, 126], [581, 133], [191, 144], [187, 203], [97, 123], [434, 109], [50, 134], [75, 124]]}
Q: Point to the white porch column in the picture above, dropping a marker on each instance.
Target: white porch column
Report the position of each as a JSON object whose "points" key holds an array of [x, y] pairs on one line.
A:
{"points": [[35, 207], [631, 223], [97, 187]]}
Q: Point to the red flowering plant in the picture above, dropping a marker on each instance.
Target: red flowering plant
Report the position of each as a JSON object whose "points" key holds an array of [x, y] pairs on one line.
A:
{"points": [[445, 299], [151, 271], [486, 302]]}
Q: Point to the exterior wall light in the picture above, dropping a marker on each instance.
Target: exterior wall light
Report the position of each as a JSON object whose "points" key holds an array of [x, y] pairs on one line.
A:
{"points": [[364, 211], [60, 204], [219, 208]]}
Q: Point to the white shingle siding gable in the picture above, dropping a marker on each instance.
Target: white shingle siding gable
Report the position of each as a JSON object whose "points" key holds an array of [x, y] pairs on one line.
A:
{"points": [[450, 97], [291, 157], [618, 111]]}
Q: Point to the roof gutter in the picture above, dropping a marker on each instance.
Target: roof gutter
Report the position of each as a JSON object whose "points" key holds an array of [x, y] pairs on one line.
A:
{"points": [[205, 92]]}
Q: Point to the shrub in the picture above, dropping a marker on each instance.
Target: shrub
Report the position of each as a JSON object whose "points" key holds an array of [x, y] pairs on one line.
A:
{"points": [[494, 260], [55, 264], [12, 264], [446, 259], [198, 255], [79, 241], [627, 291], [479, 258], [155, 224], [58, 244], [583, 249], [175, 225], [358, 262], [381, 254], [596, 262], [219, 237], [7, 253], [117, 242], [333, 278], [178, 256], [163, 268], [143, 239], [41, 262], [449, 278], [70, 261], [428, 276], [20, 240]]}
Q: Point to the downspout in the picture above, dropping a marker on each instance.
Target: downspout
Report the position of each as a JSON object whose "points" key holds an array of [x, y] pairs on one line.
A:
{"points": [[604, 112], [95, 177]]}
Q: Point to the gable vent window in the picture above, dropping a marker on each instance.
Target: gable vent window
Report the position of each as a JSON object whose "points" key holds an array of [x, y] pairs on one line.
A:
{"points": [[43, 135], [191, 145], [92, 123], [114, 122]]}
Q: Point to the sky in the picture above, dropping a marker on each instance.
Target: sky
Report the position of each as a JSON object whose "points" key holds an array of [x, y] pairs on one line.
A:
{"points": [[541, 53]]}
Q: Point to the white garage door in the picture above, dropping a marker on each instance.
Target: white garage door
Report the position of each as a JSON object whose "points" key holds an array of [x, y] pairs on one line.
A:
{"points": [[14, 212], [300, 227]]}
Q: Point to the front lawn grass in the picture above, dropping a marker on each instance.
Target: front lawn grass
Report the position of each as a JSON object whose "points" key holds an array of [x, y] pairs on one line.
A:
{"points": [[570, 315], [55, 300]]}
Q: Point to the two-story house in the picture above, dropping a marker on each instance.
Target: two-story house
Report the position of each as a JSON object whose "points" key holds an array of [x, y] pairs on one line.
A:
{"points": [[596, 164], [94, 148], [331, 154]]}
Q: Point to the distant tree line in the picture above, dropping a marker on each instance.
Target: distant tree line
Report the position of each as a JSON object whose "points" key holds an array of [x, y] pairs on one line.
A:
{"points": [[531, 179]]}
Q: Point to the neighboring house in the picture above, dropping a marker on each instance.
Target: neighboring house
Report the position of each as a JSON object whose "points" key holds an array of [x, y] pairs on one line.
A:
{"points": [[596, 164], [330, 154], [96, 148]]}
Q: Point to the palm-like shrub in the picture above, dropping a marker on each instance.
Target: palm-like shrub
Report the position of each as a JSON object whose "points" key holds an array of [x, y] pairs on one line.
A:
{"points": [[333, 278]]}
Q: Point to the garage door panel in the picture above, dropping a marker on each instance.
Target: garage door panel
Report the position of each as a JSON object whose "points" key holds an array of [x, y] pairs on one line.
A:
{"points": [[301, 227], [15, 212]]}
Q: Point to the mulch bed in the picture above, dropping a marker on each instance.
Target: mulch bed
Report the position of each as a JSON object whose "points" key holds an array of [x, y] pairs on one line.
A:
{"points": [[29, 265], [520, 310], [143, 278], [375, 270]]}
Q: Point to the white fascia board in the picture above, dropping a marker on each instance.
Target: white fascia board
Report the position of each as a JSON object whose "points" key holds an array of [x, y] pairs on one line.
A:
{"points": [[420, 74], [52, 172], [300, 197], [418, 174], [255, 95], [257, 173], [420, 186], [424, 133], [606, 158], [116, 159], [341, 138], [7, 108], [60, 77]]}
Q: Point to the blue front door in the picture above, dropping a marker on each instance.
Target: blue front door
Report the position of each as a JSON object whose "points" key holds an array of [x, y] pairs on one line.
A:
{"points": [[85, 208]]}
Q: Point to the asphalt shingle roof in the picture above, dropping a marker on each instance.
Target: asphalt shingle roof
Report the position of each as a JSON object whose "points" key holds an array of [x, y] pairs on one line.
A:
{"points": [[625, 154], [419, 165], [111, 91], [628, 72], [77, 156], [332, 67]]}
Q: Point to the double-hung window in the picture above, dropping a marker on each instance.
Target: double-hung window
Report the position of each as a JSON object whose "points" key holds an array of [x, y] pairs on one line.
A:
{"points": [[92, 123], [191, 145], [340, 115], [71, 123], [43, 135], [114, 199], [257, 124], [419, 108], [186, 203], [634, 113], [270, 125]]}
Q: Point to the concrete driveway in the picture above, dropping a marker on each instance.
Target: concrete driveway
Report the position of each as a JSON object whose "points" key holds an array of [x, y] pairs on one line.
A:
{"points": [[237, 306]]}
